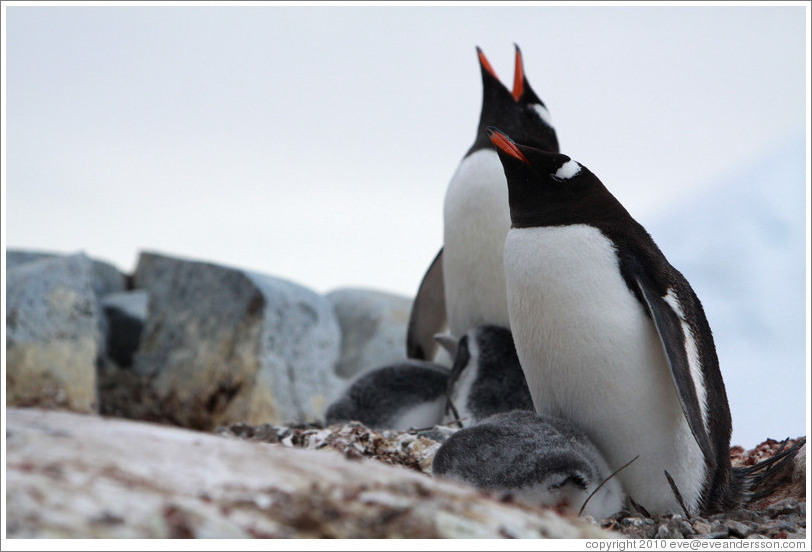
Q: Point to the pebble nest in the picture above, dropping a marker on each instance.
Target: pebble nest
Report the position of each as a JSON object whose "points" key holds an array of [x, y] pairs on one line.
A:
{"points": [[782, 515]]}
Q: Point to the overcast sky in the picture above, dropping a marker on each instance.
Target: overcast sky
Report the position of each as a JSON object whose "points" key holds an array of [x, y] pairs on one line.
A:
{"points": [[316, 143]]}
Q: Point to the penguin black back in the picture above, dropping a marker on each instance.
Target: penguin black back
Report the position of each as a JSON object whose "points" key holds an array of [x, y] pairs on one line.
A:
{"points": [[486, 377]]}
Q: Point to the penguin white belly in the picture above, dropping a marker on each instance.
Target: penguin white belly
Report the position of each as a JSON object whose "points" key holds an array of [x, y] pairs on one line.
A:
{"points": [[420, 416], [590, 354], [476, 221]]}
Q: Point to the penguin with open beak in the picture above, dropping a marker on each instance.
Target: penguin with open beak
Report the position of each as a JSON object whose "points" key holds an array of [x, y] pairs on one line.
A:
{"points": [[464, 286]]}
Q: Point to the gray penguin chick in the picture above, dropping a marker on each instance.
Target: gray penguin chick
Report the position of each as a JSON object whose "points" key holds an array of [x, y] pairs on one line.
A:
{"points": [[539, 460], [402, 396], [486, 377]]}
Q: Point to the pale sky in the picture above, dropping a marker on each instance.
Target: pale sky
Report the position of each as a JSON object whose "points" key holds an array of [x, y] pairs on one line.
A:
{"points": [[316, 143]]}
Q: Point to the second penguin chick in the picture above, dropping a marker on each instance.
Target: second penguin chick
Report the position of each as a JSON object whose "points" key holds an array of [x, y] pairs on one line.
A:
{"points": [[540, 460], [402, 396], [486, 377]]}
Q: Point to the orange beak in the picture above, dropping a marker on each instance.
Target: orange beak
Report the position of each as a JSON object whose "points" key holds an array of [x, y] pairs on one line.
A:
{"points": [[483, 61], [505, 144], [518, 76]]}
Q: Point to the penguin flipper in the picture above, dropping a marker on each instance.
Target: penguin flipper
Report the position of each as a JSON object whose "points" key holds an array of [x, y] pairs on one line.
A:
{"points": [[428, 316], [669, 329]]}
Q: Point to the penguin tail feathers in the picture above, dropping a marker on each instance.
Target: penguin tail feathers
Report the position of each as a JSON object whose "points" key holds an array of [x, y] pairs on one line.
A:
{"points": [[763, 478]]}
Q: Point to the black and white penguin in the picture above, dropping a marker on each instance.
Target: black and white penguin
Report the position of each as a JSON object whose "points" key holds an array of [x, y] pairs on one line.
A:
{"points": [[408, 395], [465, 285], [541, 460], [623, 347], [486, 377]]}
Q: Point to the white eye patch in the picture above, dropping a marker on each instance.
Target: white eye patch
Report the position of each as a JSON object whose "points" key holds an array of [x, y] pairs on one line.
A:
{"points": [[567, 170], [543, 113]]}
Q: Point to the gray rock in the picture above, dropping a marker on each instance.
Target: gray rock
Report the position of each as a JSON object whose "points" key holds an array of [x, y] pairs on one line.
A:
{"points": [[786, 506], [686, 529], [719, 526], [106, 277], [125, 314], [53, 333], [669, 530], [701, 526], [223, 345], [739, 529], [373, 328]]}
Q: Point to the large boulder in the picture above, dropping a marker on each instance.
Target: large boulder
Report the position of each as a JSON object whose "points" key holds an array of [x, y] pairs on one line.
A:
{"points": [[75, 476], [106, 277], [373, 328], [222, 345], [53, 335]]}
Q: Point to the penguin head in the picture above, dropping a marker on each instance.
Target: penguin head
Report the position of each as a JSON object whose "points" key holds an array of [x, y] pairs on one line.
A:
{"points": [[533, 113], [519, 112], [550, 189]]}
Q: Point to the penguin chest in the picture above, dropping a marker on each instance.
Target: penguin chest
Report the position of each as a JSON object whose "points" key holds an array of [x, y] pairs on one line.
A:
{"points": [[579, 326], [476, 221], [591, 354]]}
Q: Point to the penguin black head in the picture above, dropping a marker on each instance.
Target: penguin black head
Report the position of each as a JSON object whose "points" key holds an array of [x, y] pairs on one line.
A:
{"points": [[551, 189], [519, 112], [533, 109]]}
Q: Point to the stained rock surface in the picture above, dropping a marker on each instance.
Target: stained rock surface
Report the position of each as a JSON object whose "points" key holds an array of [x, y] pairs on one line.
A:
{"points": [[373, 328], [53, 333], [82, 476], [223, 345]]}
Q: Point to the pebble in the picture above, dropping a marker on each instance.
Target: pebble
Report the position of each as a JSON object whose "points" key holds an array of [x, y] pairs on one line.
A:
{"points": [[669, 531], [786, 506], [738, 529], [686, 529], [701, 526]]}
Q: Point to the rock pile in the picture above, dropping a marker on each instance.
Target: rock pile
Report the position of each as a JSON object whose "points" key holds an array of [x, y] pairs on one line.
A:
{"points": [[185, 342]]}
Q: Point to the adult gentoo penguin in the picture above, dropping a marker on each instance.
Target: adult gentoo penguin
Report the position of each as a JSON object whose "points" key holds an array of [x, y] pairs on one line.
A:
{"points": [[541, 460], [465, 284], [611, 336]]}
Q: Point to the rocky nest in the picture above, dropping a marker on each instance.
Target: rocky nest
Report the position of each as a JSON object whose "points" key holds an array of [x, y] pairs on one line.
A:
{"points": [[780, 515]]}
